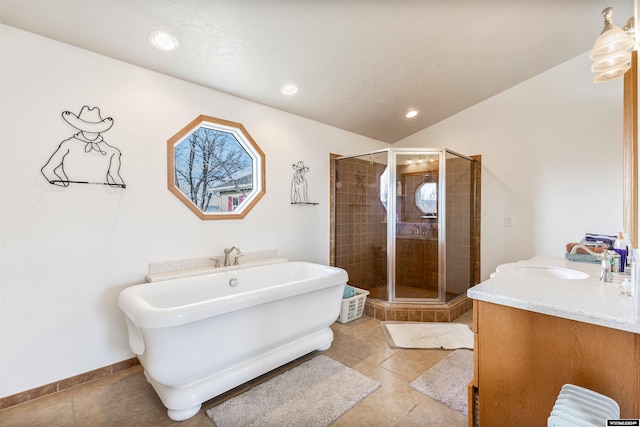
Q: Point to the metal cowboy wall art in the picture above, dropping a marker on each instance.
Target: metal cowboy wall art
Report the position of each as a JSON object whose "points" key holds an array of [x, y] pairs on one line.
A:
{"points": [[299, 185], [85, 157]]}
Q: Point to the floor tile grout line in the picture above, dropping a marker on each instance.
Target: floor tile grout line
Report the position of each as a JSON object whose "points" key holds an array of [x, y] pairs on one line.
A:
{"points": [[366, 363]]}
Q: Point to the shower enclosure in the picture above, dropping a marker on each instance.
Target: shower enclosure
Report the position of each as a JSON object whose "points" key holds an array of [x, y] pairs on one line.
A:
{"points": [[405, 224]]}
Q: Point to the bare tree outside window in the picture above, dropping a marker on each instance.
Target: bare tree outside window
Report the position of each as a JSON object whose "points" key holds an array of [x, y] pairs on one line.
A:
{"points": [[427, 198], [215, 168], [210, 162]]}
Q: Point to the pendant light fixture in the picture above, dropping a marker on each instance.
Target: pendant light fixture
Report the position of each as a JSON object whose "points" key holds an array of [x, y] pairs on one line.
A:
{"points": [[611, 54]]}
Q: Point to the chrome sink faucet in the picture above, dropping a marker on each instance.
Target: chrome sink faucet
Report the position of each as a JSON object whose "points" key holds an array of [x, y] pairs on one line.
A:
{"points": [[228, 251]]}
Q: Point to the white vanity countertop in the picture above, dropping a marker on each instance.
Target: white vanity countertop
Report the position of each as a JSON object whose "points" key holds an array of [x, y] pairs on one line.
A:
{"points": [[586, 300]]}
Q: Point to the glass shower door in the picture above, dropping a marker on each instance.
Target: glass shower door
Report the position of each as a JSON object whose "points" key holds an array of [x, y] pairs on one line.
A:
{"points": [[417, 259], [460, 196], [405, 223], [361, 221]]}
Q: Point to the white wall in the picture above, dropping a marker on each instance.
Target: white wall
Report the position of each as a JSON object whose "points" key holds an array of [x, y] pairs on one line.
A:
{"points": [[551, 161], [67, 252], [551, 150]]}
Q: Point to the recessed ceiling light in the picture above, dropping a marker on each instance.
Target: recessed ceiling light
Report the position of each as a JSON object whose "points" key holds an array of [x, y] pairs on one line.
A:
{"points": [[411, 113], [163, 40], [289, 89]]}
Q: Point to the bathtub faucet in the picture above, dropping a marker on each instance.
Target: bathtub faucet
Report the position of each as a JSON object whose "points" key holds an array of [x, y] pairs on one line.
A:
{"points": [[228, 251]]}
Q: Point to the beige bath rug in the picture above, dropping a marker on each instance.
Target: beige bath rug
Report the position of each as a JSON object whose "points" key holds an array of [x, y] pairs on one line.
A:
{"points": [[448, 380], [449, 336], [313, 394]]}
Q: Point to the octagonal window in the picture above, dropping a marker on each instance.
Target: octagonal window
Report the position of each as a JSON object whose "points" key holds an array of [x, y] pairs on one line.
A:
{"points": [[215, 168], [427, 198]]}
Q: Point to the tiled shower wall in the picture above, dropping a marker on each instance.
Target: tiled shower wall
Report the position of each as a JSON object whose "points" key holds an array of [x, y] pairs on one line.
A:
{"points": [[460, 246], [361, 229], [359, 238]]}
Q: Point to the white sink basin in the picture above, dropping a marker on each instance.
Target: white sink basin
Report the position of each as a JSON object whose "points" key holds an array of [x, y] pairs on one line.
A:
{"points": [[552, 272]]}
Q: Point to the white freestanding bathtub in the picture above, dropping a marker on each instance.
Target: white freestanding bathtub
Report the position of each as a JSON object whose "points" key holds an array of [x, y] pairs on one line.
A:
{"points": [[198, 337]]}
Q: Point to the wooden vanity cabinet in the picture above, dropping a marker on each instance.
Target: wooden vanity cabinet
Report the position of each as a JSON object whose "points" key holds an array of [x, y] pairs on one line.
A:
{"points": [[522, 359]]}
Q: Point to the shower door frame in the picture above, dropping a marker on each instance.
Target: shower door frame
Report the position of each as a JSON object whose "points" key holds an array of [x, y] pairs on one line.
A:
{"points": [[392, 243], [441, 218]]}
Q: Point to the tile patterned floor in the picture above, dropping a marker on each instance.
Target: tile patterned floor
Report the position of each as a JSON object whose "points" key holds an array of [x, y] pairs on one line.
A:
{"points": [[126, 399]]}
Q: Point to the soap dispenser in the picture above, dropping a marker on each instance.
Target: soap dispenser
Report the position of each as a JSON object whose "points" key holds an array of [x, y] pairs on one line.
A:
{"points": [[620, 247]]}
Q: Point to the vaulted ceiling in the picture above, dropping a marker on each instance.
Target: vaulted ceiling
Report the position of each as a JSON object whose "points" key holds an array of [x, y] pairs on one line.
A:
{"points": [[360, 65]]}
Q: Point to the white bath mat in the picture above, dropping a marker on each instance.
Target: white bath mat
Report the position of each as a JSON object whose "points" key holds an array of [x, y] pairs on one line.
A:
{"points": [[448, 380], [315, 393], [449, 336]]}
